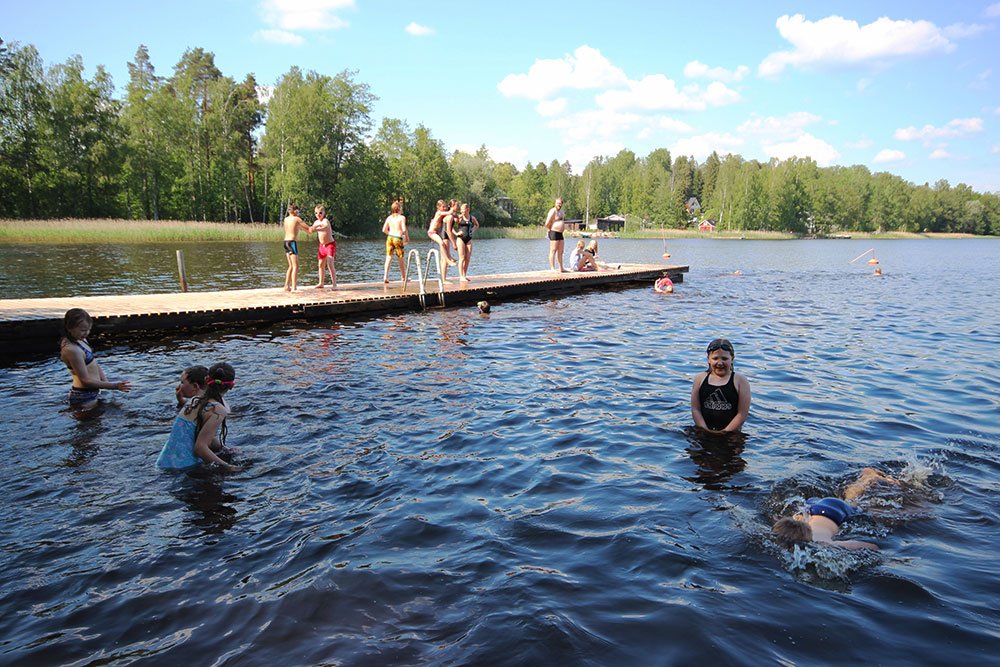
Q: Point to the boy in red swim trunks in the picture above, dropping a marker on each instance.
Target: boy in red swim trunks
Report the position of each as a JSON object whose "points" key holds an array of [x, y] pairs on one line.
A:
{"points": [[327, 247]]}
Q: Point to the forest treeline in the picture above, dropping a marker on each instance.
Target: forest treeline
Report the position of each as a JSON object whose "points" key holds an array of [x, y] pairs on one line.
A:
{"points": [[199, 145]]}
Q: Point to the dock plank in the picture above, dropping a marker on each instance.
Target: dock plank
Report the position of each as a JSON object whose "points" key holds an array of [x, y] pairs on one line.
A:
{"points": [[22, 320]]}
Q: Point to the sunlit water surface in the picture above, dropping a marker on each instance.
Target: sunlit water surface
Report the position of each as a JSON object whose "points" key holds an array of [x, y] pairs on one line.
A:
{"points": [[519, 488]]}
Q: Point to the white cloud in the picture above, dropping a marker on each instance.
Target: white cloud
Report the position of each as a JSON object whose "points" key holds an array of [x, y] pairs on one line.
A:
{"points": [[587, 68], [835, 40], [955, 128], [579, 156], [418, 30], [551, 107], [702, 146], [279, 37], [889, 155], [604, 124], [804, 146], [940, 154], [305, 14], [993, 11], [516, 155], [264, 94], [996, 149], [699, 70], [657, 92], [789, 126], [965, 30]]}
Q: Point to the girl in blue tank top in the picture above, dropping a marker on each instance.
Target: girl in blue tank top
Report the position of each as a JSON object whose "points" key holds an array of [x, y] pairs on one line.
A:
{"points": [[192, 438]]}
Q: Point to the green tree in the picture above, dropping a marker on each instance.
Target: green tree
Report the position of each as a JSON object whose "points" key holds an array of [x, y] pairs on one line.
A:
{"points": [[24, 106]]}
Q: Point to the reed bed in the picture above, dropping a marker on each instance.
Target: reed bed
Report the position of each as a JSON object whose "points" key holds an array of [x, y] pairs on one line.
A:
{"points": [[132, 231], [179, 231]]}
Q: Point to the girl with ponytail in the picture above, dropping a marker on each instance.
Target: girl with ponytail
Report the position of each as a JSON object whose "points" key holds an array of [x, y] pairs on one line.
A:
{"points": [[199, 431]]}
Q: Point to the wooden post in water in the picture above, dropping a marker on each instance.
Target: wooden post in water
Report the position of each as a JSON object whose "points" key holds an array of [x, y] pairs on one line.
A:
{"points": [[180, 270]]}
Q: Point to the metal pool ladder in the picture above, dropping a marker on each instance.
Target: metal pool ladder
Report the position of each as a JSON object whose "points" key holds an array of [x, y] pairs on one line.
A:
{"points": [[423, 275]]}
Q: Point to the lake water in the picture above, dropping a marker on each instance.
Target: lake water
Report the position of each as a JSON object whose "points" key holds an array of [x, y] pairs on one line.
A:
{"points": [[522, 488]]}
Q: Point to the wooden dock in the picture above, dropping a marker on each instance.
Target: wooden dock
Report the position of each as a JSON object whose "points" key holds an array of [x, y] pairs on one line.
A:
{"points": [[39, 321]]}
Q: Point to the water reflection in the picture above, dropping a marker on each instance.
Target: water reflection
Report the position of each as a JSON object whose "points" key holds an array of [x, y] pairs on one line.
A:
{"points": [[211, 507], [717, 457]]}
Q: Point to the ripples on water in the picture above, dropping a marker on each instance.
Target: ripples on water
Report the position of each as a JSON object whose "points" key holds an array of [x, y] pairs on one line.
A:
{"points": [[523, 488]]}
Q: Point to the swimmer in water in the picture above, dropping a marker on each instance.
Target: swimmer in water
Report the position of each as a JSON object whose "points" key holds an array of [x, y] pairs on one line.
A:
{"points": [[191, 384], [825, 516], [664, 285]]}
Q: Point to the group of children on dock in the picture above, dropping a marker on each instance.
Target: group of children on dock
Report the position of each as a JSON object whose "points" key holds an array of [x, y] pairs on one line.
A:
{"points": [[452, 227]]}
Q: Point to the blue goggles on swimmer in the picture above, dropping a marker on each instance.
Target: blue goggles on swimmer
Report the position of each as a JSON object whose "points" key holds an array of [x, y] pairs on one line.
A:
{"points": [[720, 344]]}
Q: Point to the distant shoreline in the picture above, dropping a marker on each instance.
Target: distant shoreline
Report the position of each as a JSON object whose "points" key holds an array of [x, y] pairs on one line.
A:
{"points": [[176, 231]]}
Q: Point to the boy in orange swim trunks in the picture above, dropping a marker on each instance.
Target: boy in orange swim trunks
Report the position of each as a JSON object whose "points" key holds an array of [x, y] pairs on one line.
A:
{"points": [[396, 238]]}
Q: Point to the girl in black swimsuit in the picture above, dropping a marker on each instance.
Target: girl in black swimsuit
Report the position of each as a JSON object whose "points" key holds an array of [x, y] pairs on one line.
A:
{"points": [[720, 397]]}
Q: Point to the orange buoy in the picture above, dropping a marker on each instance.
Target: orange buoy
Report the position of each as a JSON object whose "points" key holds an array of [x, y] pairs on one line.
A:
{"points": [[666, 255], [873, 261]]}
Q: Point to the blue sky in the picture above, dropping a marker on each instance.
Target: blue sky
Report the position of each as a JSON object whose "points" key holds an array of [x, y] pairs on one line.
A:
{"points": [[912, 88]]}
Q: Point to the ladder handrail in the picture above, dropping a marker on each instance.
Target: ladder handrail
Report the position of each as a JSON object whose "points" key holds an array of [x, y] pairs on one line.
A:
{"points": [[420, 275], [433, 254]]}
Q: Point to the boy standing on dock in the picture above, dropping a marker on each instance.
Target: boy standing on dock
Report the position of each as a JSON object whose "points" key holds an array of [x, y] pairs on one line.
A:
{"points": [[327, 253], [554, 223], [293, 223], [396, 237]]}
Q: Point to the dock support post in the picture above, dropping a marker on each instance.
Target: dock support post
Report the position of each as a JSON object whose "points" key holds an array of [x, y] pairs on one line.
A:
{"points": [[180, 270]]}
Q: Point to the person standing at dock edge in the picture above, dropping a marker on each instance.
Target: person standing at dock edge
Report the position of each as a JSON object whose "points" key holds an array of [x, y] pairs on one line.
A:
{"points": [[720, 397], [293, 223], [396, 238], [327, 252], [555, 223]]}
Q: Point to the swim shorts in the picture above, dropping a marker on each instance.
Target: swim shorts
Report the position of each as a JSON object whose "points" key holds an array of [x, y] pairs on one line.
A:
{"points": [[327, 250], [834, 509], [555, 236], [79, 396], [291, 248], [393, 246]]}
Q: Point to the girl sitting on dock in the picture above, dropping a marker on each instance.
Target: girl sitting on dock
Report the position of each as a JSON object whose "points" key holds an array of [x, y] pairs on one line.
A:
{"points": [[193, 436], [76, 353]]}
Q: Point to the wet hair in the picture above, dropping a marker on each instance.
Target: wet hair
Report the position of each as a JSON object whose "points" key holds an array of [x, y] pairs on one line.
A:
{"points": [[73, 318], [292, 209], [196, 375], [721, 344], [484, 306], [219, 379], [790, 531], [396, 207]]}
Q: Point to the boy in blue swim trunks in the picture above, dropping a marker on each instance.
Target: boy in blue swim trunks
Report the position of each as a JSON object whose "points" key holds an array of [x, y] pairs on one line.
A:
{"points": [[825, 516]]}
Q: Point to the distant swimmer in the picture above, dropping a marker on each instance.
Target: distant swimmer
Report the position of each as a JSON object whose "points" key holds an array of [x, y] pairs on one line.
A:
{"points": [[878, 271], [825, 516], [664, 285], [76, 353], [720, 397], [484, 307]]}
